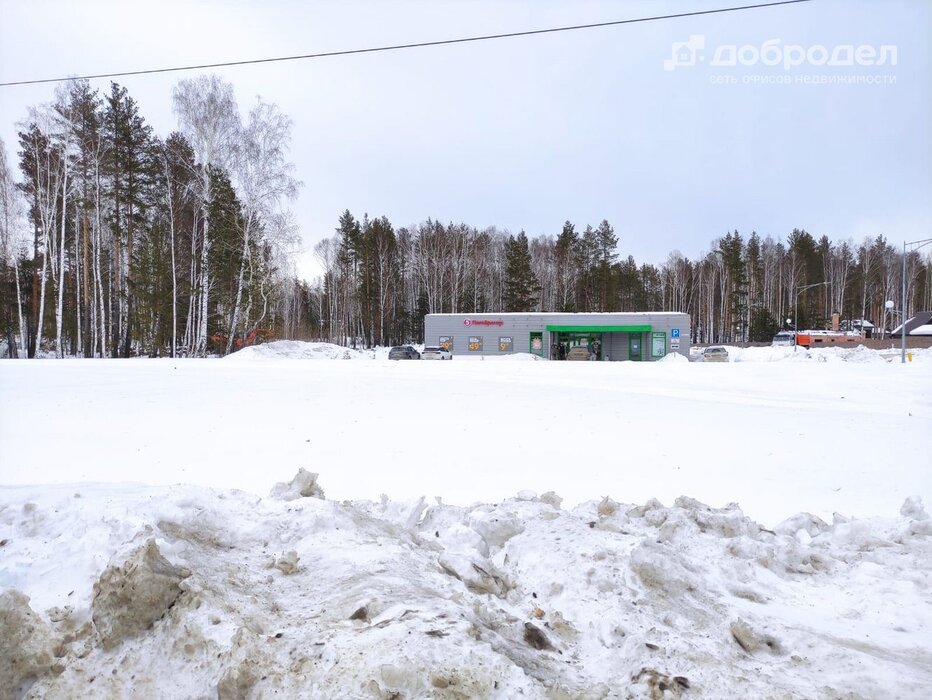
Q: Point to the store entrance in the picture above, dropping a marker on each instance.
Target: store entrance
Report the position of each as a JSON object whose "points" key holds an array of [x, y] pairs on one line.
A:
{"points": [[578, 346]]}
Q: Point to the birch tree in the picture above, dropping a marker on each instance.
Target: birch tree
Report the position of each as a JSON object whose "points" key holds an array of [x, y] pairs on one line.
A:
{"points": [[264, 181], [11, 222], [209, 119]]}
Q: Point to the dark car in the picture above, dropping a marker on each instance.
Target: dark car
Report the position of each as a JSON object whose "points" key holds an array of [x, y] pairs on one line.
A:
{"points": [[403, 352]]}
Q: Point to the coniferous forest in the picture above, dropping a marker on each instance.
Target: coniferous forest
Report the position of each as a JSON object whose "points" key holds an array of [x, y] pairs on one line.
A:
{"points": [[117, 242]]}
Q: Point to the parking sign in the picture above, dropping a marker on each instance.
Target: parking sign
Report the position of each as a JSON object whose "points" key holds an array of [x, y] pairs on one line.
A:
{"points": [[675, 333]]}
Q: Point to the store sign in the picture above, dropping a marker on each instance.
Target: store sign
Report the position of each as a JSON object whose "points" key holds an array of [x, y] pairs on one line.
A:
{"points": [[505, 344], [482, 322], [475, 343], [446, 342]]}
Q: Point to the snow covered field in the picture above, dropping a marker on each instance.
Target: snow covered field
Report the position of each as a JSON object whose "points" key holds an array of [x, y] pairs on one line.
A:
{"points": [[470, 577]]}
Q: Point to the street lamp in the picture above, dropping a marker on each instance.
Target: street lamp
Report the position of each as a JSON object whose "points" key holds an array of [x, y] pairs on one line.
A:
{"points": [[800, 290], [919, 244], [888, 305]]}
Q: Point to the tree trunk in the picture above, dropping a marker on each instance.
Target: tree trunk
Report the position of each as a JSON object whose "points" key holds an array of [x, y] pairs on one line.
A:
{"points": [[239, 289], [61, 265]]}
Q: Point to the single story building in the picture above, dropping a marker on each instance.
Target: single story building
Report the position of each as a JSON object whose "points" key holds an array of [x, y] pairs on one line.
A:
{"points": [[642, 336]]}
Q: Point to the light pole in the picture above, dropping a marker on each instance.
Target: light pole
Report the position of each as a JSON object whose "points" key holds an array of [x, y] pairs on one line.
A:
{"points": [[918, 244], [889, 306], [800, 290]]}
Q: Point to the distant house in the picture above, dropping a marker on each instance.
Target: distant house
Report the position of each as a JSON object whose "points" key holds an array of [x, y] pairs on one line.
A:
{"points": [[859, 325], [918, 325]]}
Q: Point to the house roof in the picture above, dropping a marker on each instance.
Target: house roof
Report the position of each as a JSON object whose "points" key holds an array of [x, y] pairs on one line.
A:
{"points": [[920, 320]]}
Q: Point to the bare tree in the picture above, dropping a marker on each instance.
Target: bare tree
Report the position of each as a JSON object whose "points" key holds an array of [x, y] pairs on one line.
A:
{"points": [[264, 179], [209, 119], [11, 228]]}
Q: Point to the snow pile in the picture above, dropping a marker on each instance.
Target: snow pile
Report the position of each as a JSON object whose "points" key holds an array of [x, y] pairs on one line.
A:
{"points": [[860, 354], [314, 598], [300, 350], [677, 357]]}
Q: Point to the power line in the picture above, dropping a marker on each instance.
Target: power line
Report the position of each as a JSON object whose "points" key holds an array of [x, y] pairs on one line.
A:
{"points": [[398, 47]]}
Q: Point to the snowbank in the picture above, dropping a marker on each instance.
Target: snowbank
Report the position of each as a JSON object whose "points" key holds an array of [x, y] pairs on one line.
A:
{"points": [[300, 350], [314, 598], [858, 355]]}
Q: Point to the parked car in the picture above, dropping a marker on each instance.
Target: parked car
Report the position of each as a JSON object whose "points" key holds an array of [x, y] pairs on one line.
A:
{"points": [[435, 353], [715, 353], [403, 352], [784, 338]]}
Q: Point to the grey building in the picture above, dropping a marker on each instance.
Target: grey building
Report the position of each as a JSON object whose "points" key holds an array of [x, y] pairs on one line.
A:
{"points": [[642, 336]]}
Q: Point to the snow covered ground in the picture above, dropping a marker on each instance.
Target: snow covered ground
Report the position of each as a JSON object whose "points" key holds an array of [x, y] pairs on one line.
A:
{"points": [[518, 549]]}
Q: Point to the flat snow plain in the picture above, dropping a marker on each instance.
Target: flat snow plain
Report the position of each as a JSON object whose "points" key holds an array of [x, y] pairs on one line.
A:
{"points": [[820, 585]]}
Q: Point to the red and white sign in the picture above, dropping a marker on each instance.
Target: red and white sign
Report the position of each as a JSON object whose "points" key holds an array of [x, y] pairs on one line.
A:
{"points": [[482, 322]]}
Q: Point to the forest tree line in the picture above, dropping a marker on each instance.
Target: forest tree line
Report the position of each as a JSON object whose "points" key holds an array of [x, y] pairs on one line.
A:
{"points": [[378, 282], [117, 243]]}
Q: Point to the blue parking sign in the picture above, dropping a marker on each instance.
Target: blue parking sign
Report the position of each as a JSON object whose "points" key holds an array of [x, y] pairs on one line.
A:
{"points": [[675, 333]]}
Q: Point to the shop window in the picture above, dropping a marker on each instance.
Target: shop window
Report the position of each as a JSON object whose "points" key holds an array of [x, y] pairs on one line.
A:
{"points": [[537, 343], [658, 344]]}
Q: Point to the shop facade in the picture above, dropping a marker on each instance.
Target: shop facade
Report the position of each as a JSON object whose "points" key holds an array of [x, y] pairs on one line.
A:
{"points": [[639, 337]]}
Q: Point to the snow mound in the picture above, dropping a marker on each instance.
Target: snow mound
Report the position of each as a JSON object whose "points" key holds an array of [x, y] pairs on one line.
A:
{"points": [[133, 592], [25, 643], [314, 598], [299, 350], [860, 354], [304, 485], [675, 357]]}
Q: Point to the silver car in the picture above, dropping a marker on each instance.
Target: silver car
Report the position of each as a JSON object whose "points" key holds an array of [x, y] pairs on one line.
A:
{"points": [[716, 353]]}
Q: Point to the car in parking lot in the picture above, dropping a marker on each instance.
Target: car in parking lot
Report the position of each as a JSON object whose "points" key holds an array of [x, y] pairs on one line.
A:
{"points": [[716, 353], [436, 353], [403, 352]]}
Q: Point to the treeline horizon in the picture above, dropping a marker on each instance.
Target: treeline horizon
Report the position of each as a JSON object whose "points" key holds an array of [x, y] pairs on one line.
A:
{"points": [[117, 242], [379, 283]]}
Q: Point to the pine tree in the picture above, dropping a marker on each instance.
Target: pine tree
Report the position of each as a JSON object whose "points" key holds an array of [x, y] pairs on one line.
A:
{"points": [[225, 253], [131, 166], [566, 268], [606, 243], [521, 286], [763, 326]]}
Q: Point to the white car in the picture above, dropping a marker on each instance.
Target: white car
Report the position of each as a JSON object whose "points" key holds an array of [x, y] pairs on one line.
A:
{"points": [[435, 353]]}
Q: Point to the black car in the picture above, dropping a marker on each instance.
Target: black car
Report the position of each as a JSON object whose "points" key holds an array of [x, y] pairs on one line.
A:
{"points": [[403, 352]]}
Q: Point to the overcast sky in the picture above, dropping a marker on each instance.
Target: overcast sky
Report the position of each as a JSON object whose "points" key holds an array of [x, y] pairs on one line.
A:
{"points": [[525, 133]]}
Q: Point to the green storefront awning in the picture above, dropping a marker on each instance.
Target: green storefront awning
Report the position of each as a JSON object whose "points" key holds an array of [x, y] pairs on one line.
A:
{"points": [[599, 329]]}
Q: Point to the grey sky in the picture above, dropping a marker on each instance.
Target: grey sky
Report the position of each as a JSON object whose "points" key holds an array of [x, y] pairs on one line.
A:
{"points": [[528, 132]]}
